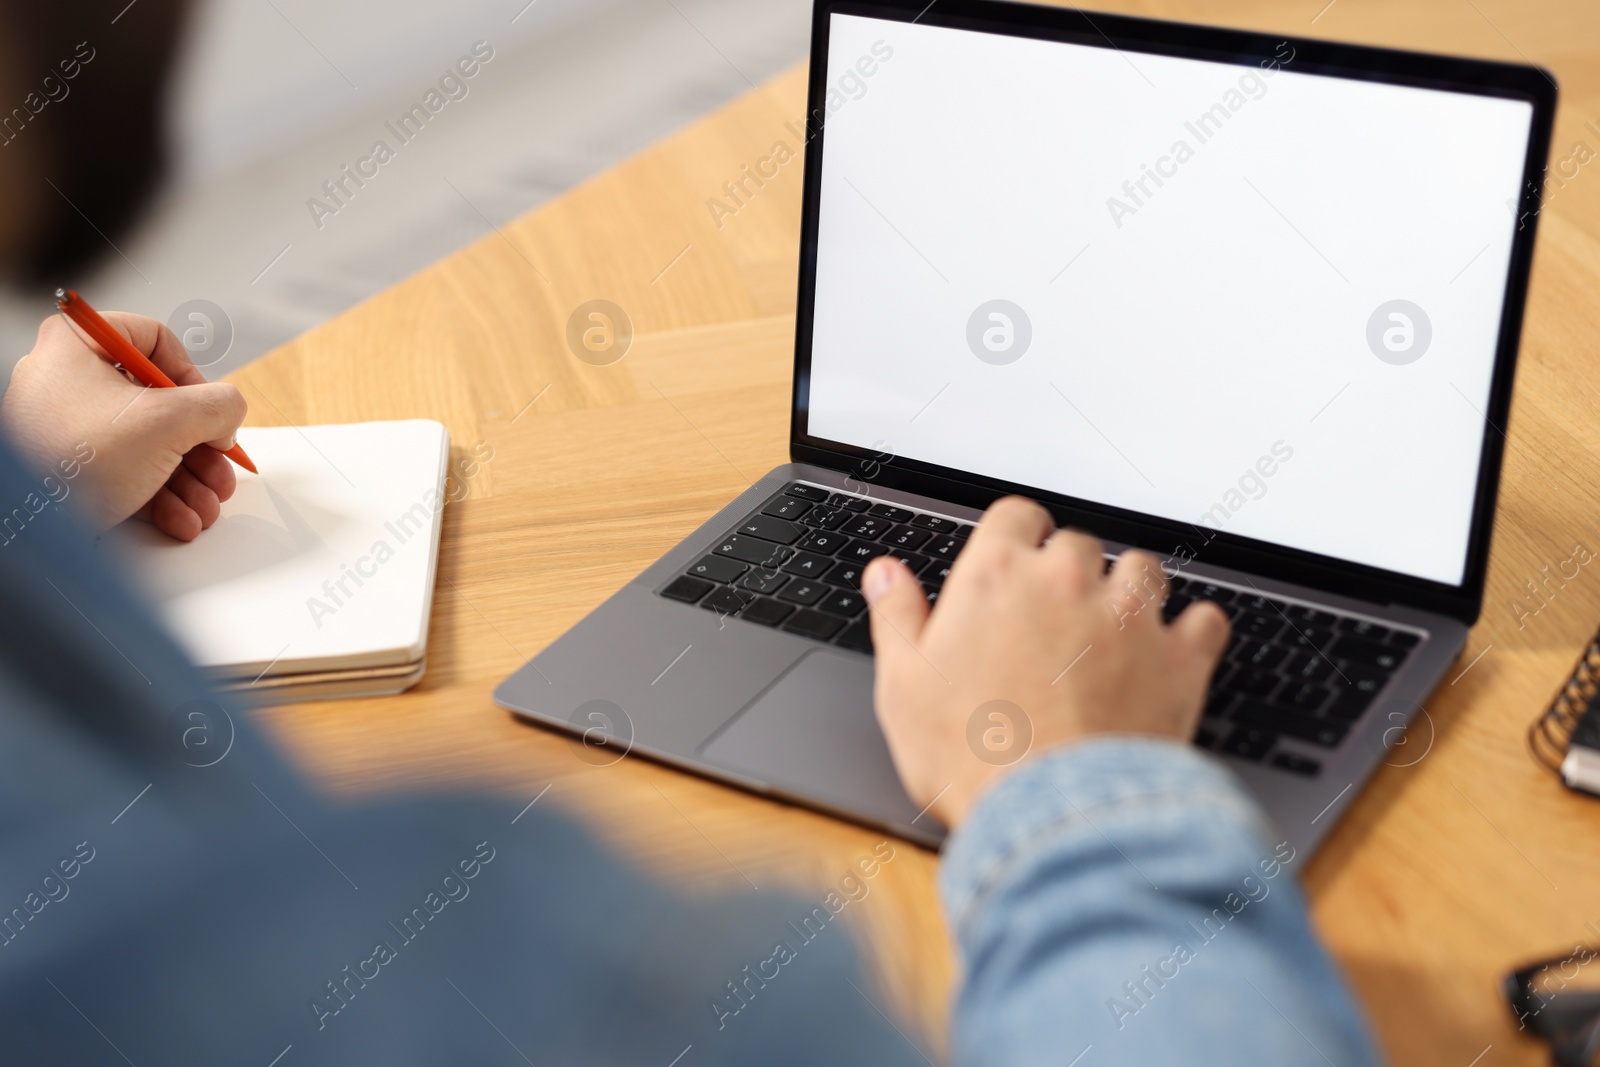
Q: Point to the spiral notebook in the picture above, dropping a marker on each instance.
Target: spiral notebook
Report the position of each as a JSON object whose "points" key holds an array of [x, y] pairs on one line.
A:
{"points": [[317, 580], [1566, 737]]}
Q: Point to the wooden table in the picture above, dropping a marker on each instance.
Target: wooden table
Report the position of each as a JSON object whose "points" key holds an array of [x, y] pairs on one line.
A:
{"points": [[1458, 861]]}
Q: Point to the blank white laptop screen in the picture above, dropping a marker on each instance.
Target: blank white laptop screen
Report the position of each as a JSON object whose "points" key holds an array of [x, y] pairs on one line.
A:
{"points": [[1246, 298]]}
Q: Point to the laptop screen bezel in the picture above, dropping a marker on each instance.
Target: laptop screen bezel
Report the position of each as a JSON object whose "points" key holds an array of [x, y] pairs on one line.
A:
{"points": [[1180, 541]]}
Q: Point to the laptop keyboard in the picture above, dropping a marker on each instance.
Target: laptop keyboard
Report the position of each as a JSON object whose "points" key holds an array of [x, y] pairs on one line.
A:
{"points": [[796, 563], [1293, 682]]}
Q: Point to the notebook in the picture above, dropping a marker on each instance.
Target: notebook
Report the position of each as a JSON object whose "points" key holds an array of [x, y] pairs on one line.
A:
{"points": [[1567, 736], [318, 578]]}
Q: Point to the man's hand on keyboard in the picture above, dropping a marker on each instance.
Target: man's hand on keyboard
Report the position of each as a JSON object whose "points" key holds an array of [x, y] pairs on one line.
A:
{"points": [[1032, 646]]}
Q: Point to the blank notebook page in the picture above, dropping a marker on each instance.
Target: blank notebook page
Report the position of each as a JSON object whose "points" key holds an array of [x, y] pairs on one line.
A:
{"points": [[324, 561]]}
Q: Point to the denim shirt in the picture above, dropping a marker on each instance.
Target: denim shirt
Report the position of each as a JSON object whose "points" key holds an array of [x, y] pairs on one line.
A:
{"points": [[1124, 901], [183, 897]]}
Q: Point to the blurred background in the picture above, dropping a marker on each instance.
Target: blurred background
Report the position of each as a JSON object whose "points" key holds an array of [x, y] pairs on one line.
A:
{"points": [[231, 115]]}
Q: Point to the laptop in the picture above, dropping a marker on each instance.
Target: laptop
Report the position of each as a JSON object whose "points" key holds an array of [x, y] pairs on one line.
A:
{"points": [[1249, 303]]}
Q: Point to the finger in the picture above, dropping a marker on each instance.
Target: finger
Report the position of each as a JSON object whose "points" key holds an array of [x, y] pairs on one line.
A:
{"points": [[196, 495], [1136, 585], [1013, 520], [155, 340], [899, 608], [173, 517], [209, 413], [1201, 631], [1080, 552], [213, 469], [50, 348]]}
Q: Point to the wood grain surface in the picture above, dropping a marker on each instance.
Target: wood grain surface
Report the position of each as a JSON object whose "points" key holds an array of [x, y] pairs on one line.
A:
{"points": [[1459, 860]]}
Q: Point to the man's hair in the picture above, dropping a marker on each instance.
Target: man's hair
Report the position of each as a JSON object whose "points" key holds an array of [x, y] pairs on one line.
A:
{"points": [[102, 146]]}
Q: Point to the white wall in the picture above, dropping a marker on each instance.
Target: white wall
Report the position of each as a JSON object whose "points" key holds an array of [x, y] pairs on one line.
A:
{"points": [[262, 118]]}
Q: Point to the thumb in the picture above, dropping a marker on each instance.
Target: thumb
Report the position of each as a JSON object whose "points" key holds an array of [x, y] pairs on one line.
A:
{"points": [[209, 413], [899, 608]]}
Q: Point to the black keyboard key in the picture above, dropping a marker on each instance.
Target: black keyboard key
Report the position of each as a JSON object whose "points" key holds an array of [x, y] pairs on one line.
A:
{"points": [[766, 612], [848, 502], [718, 569], [1368, 679], [781, 531], [1367, 631], [867, 526], [1252, 653], [1310, 698], [807, 492], [1223, 677], [814, 624], [1271, 658], [1288, 761], [687, 589], [890, 512], [857, 637], [1219, 704], [1350, 701], [1405, 639], [1218, 594], [1267, 657], [944, 547], [727, 600], [1304, 617], [752, 550], [1249, 743], [907, 537], [763, 581], [847, 574], [786, 507], [861, 551], [1383, 657], [825, 541], [1319, 731], [1261, 627], [843, 602], [825, 517], [936, 574], [931, 592], [1206, 738], [935, 523], [1174, 606], [915, 563], [808, 565], [1308, 666], [1255, 682], [962, 532], [803, 592], [1264, 604], [1307, 638]]}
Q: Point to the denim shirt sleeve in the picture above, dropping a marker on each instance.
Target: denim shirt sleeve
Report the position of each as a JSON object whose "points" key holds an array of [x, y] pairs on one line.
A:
{"points": [[1126, 901]]}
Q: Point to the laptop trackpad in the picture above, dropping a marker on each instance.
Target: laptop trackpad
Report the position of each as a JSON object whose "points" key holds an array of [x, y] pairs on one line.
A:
{"points": [[812, 735]]}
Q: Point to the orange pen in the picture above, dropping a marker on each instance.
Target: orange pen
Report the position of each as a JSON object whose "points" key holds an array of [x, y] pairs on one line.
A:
{"points": [[120, 351]]}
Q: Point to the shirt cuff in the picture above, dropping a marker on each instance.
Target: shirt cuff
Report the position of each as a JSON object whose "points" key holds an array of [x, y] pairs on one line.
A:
{"points": [[1076, 790]]}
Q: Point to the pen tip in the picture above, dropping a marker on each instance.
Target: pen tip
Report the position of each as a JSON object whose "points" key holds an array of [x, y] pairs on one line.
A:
{"points": [[61, 296]]}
